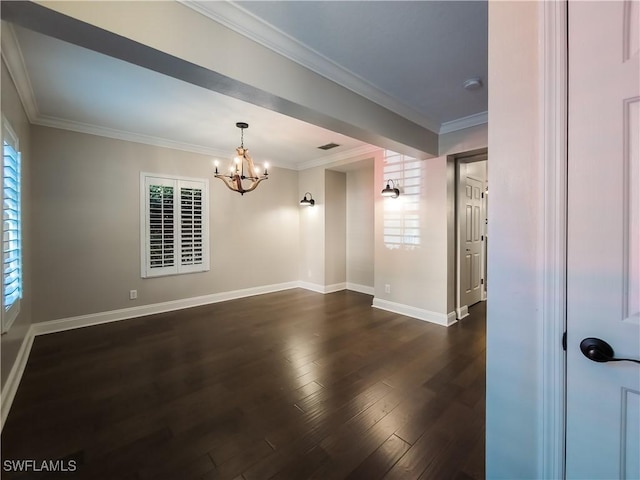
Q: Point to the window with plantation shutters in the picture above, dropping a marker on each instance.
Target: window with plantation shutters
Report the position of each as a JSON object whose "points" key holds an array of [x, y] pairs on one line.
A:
{"points": [[11, 227], [175, 225], [402, 216]]}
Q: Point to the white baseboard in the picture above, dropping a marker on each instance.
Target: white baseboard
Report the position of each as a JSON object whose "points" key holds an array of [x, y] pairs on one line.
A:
{"points": [[462, 312], [316, 287], [70, 323], [445, 320], [62, 324], [80, 321], [360, 288], [15, 375], [336, 287]]}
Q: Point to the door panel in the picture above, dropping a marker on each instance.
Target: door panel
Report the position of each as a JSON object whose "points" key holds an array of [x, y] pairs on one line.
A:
{"points": [[469, 223], [603, 277], [473, 244], [632, 209], [466, 286], [470, 239], [475, 272]]}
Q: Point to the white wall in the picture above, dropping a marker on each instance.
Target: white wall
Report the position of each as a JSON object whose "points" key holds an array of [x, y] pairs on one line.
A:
{"points": [[513, 336], [86, 226]]}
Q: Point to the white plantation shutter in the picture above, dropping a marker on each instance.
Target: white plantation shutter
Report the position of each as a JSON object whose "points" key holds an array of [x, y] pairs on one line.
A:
{"points": [[161, 225], [11, 228], [190, 225], [174, 215]]}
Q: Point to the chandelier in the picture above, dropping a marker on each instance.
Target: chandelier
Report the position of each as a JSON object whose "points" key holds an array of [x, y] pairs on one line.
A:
{"points": [[242, 170]]}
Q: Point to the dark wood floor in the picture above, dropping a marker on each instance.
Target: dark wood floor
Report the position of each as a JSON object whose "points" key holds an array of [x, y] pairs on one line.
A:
{"points": [[289, 385]]}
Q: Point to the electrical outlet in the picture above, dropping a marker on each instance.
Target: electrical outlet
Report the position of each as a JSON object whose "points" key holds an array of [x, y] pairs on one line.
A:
{"points": [[133, 294], [387, 288]]}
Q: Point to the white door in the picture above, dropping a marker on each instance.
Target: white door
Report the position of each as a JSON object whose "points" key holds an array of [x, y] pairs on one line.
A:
{"points": [[603, 278], [471, 231]]}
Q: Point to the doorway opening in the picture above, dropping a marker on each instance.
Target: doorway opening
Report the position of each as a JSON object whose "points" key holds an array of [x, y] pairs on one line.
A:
{"points": [[471, 240]]}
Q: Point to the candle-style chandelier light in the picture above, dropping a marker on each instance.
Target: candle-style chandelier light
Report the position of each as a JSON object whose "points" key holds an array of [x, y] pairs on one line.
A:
{"points": [[242, 170]]}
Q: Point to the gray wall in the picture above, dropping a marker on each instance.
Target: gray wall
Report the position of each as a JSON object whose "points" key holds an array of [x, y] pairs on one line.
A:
{"points": [[416, 274], [12, 110], [335, 227], [86, 226], [312, 228], [360, 225], [424, 277]]}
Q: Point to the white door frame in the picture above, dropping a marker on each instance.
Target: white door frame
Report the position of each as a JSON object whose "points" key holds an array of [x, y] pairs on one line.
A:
{"points": [[471, 156], [552, 233]]}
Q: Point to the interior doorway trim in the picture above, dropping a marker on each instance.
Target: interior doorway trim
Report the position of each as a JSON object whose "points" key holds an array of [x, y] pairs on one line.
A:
{"points": [[478, 155], [552, 236]]}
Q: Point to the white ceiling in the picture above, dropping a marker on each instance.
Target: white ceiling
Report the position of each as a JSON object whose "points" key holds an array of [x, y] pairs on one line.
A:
{"points": [[411, 57]]}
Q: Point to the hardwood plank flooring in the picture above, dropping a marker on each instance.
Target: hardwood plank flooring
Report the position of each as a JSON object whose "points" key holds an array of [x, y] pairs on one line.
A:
{"points": [[289, 385]]}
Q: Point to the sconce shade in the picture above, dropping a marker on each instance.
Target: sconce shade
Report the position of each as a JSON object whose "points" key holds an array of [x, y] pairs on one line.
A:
{"points": [[307, 202], [390, 192]]}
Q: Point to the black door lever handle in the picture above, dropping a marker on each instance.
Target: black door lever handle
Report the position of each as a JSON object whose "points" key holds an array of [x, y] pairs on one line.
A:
{"points": [[600, 351]]}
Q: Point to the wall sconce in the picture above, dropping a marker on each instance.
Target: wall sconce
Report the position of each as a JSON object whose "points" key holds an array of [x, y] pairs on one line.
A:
{"points": [[307, 202], [390, 192]]}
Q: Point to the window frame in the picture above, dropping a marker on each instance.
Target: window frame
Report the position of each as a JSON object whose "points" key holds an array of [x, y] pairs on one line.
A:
{"points": [[8, 314], [178, 183]]}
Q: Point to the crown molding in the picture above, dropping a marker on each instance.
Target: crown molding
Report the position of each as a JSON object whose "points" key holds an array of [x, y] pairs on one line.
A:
{"points": [[90, 129], [13, 59], [464, 122], [245, 23], [54, 122]]}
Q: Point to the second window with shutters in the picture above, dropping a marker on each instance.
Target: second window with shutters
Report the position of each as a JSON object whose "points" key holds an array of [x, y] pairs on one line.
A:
{"points": [[175, 225]]}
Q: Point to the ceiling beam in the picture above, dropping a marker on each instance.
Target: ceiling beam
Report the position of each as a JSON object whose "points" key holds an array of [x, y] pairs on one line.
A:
{"points": [[172, 39]]}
